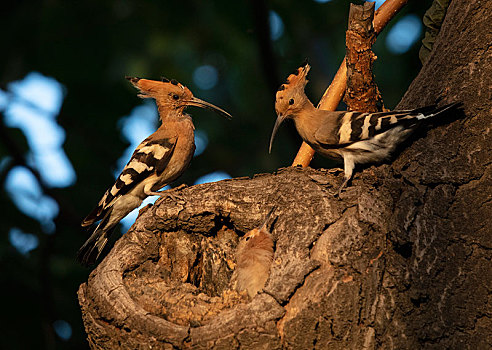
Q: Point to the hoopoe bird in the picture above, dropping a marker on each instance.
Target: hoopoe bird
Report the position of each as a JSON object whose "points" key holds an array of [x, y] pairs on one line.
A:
{"points": [[160, 159], [354, 137], [254, 256]]}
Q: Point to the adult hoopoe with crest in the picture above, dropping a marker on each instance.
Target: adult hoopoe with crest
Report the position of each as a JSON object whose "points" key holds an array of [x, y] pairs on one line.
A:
{"points": [[355, 137], [160, 159]]}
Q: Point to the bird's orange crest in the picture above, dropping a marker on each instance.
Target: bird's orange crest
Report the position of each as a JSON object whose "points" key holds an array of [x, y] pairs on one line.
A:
{"points": [[155, 89], [296, 80]]}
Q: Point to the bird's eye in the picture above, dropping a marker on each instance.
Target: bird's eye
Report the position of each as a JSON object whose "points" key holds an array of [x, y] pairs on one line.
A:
{"points": [[176, 97], [291, 101], [247, 239]]}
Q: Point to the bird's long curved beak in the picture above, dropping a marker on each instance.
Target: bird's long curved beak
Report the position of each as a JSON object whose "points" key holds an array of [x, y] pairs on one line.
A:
{"points": [[267, 219], [279, 121], [203, 104]]}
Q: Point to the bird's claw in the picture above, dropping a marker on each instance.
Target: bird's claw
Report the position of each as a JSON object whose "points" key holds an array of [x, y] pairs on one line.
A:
{"points": [[337, 193], [335, 170], [171, 195]]}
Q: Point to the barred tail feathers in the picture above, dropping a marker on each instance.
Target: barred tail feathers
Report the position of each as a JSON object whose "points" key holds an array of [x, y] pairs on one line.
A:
{"points": [[93, 247], [410, 118], [93, 216], [426, 112]]}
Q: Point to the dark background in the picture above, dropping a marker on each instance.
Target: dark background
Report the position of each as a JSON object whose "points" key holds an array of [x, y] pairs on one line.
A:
{"points": [[88, 47]]}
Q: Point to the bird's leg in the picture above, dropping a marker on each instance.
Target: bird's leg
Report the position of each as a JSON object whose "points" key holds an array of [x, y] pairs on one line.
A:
{"points": [[155, 193], [349, 166], [148, 191], [166, 193], [346, 179]]}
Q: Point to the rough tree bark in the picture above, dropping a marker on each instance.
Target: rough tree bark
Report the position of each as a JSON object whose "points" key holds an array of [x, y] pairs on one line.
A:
{"points": [[403, 261], [362, 93]]}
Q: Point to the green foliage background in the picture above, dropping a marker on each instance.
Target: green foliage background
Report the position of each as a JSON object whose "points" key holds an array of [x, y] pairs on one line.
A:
{"points": [[89, 46]]}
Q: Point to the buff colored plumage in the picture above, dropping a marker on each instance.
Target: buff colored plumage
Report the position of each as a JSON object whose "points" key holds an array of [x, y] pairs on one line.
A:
{"points": [[160, 159], [354, 137]]}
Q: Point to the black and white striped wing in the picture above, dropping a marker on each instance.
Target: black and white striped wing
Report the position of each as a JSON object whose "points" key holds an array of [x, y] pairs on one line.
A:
{"points": [[150, 157], [351, 127]]}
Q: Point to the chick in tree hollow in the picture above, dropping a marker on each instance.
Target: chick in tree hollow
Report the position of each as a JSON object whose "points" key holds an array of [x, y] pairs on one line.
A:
{"points": [[254, 257]]}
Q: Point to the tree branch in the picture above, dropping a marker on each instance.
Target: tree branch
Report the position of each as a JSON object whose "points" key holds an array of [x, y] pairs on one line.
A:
{"points": [[362, 93]]}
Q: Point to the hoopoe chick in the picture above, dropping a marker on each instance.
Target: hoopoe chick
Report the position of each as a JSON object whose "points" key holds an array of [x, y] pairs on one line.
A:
{"points": [[160, 159], [254, 255], [355, 137]]}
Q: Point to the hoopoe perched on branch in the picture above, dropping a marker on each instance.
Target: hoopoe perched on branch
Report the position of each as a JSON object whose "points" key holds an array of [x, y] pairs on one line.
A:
{"points": [[160, 159], [254, 256], [355, 137]]}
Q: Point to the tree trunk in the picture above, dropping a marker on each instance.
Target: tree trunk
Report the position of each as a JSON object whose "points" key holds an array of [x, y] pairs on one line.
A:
{"points": [[402, 261]]}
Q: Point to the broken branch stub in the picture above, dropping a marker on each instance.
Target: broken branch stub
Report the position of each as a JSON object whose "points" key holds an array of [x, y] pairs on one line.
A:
{"points": [[362, 93]]}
